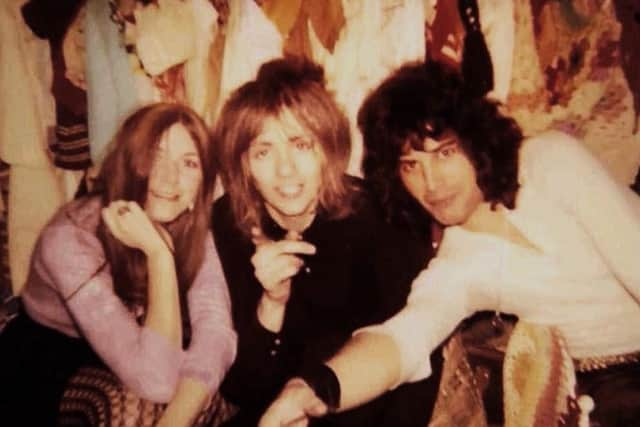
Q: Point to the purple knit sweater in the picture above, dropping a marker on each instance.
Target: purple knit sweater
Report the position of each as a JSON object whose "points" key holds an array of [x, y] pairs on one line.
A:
{"points": [[70, 289]]}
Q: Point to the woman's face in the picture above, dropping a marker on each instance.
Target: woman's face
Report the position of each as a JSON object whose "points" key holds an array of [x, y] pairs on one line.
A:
{"points": [[175, 178], [285, 162]]}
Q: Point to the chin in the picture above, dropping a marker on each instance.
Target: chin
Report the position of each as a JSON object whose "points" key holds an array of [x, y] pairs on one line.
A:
{"points": [[449, 220], [164, 217]]}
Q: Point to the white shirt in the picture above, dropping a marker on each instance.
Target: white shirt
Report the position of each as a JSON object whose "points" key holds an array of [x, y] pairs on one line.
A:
{"points": [[582, 276]]}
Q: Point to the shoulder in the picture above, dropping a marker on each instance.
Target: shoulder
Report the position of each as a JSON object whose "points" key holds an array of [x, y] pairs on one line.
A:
{"points": [[549, 154], [75, 223], [68, 249]]}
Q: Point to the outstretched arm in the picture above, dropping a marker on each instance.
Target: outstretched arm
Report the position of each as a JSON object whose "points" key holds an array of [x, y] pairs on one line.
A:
{"points": [[366, 367], [379, 358]]}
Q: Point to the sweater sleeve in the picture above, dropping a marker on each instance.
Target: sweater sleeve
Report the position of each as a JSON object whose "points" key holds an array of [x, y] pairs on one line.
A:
{"points": [[608, 211], [72, 260], [213, 341]]}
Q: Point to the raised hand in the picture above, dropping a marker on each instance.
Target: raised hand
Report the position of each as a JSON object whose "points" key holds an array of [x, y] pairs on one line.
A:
{"points": [[129, 223], [275, 263]]}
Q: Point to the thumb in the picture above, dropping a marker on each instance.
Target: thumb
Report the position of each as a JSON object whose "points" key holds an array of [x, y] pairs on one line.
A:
{"points": [[316, 408], [293, 235]]}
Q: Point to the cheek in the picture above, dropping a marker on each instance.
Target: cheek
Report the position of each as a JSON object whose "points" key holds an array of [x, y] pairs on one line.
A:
{"points": [[308, 167], [413, 185], [259, 173], [191, 184]]}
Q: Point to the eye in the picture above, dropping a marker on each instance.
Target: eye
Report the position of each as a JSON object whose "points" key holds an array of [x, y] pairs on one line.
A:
{"points": [[447, 151], [259, 152], [303, 145], [191, 163], [408, 165]]}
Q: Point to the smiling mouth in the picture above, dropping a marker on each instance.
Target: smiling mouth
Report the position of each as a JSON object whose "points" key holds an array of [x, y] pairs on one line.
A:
{"points": [[442, 202], [168, 197], [289, 191]]}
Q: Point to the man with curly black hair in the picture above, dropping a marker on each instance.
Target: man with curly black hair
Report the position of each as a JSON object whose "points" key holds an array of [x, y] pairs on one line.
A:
{"points": [[532, 227]]}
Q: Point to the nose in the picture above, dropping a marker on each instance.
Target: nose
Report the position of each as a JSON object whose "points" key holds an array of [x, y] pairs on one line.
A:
{"points": [[168, 173], [285, 165], [431, 175]]}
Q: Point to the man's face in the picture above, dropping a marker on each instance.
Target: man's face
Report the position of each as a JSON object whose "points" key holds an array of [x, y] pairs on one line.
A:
{"points": [[442, 179], [285, 163]]}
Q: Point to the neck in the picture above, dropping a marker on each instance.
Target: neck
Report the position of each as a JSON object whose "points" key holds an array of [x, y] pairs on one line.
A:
{"points": [[481, 218], [297, 223]]}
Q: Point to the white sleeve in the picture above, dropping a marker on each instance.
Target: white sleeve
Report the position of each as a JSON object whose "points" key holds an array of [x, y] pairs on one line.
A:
{"points": [[438, 301], [608, 211]]}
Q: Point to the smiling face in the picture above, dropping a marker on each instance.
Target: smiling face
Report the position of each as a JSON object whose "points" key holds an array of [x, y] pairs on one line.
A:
{"points": [[175, 177], [442, 179], [285, 162]]}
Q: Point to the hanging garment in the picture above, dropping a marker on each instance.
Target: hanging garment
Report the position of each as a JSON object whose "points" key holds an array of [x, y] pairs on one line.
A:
{"points": [[111, 91], [376, 39], [26, 130], [251, 40]]}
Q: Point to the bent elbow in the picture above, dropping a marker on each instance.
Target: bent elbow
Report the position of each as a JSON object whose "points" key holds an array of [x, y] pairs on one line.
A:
{"points": [[155, 388]]}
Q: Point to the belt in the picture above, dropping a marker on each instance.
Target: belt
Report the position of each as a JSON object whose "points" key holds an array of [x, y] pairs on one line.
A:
{"points": [[588, 364]]}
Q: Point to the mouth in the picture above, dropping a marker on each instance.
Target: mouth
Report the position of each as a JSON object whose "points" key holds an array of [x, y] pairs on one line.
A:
{"points": [[163, 196], [289, 191], [441, 202]]}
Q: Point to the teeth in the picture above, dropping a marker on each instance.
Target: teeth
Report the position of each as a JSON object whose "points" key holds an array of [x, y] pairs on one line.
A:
{"points": [[289, 190], [165, 196]]}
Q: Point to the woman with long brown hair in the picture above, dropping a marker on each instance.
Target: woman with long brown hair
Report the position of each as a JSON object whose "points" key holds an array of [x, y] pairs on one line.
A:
{"points": [[129, 277]]}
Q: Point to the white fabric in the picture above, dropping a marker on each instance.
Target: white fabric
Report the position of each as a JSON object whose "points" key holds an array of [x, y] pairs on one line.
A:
{"points": [[498, 28], [196, 69], [165, 34], [582, 277], [251, 40], [111, 93], [27, 118], [377, 38], [26, 74]]}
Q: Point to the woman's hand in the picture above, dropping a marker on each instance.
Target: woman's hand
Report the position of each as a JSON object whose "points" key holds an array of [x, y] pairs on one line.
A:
{"points": [[129, 223], [275, 263]]}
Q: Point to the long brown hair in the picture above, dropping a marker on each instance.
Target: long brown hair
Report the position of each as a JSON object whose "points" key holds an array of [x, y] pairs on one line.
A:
{"points": [[296, 85], [125, 175]]}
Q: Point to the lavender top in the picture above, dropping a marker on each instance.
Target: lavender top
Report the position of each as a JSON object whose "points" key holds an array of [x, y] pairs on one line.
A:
{"points": [[70, 289]]}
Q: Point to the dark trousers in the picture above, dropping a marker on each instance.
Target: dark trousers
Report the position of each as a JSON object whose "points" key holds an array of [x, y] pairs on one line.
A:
{"points": [[35, 365], [616, 394]]}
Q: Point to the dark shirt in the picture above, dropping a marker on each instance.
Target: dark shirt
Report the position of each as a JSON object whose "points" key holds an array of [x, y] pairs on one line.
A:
{"points": [[361, 274]]}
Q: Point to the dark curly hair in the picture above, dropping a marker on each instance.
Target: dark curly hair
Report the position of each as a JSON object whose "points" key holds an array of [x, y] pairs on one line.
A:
{"points": [[423, 100]]}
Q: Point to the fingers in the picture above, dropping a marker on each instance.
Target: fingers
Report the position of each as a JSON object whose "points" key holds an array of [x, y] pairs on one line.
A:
{"points": [[293, 407], [129, 223], [275, 263], [274, 274], [291, 244], [115, 216]]}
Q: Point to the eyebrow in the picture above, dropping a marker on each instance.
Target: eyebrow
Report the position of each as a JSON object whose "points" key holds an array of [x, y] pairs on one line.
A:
{"points": [[257, 142], [452, 140]]}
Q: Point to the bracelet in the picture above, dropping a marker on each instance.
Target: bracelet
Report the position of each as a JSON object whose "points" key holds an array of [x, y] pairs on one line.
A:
{"points": [[324, 382]]}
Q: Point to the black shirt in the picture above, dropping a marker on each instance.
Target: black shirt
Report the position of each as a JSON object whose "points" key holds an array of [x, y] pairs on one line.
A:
{"points": [[360, 274]]}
